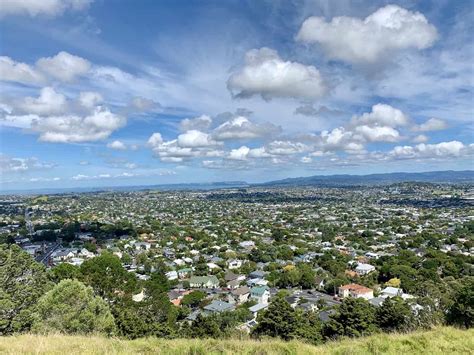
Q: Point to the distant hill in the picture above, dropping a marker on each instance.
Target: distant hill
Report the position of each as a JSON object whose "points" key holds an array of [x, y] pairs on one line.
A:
{"points": [[466, 176], [443, 340], [377, 179]]}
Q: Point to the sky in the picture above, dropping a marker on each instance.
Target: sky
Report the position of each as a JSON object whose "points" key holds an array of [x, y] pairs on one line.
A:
{"points": [[122, 92]]}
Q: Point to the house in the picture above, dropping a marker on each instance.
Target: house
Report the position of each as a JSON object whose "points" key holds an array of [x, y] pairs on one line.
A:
{"points": [[62, 255], [234, 264], [204, 281], [239, 295], [218, 307], [364, 269], [356, 291], [171, 275], [257, 308], [261, 294], [391, 292]]}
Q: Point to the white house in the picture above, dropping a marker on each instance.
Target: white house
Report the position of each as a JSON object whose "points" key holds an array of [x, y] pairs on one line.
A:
{"points": [[234, 264], [364, 269]]}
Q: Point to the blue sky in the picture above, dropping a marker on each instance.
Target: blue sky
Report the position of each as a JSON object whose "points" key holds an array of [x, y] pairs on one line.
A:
{"points": [[109, 92]]}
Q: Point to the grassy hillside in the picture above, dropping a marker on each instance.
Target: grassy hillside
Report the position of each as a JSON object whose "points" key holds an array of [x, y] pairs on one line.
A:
{"points": [[439, 341]]}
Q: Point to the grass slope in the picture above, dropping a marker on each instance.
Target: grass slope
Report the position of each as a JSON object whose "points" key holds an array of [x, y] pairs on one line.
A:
{"points": [[438, 341]]}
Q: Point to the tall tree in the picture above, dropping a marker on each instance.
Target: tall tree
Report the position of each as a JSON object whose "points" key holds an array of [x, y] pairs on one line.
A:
{"points": [[278, 320], [71, 307], [354, 317], [22, 282], [107, 276]]}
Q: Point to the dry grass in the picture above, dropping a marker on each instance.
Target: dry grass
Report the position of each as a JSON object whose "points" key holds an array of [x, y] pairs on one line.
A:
{"points": [[443, 340]]}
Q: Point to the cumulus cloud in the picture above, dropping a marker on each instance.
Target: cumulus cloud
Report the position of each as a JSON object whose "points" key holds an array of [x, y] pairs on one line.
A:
{"points": [[378, 133], [201, 123], [13, 165], [48, 103], [440, 150], [267, 75], [239, 153], [155, 140], [63, 66], [96, 126], [242, 128], [89, 99], [382, 115], [421, 138], [35, 8], [195, 139], [19, 72], [117, 145], [433, 124], [286, 147], [191, 144], [387, 31]]}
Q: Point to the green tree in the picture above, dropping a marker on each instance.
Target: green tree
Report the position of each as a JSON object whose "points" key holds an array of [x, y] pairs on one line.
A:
{"points": [[22, 282], [354, 317], [107, 276], [63, 271], [462, 310], [193, 299], [278, 320], [394, 315], [72, 308]]}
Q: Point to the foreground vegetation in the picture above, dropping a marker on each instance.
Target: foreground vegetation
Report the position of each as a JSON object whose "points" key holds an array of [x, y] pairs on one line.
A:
{"points": [[442, 340]]}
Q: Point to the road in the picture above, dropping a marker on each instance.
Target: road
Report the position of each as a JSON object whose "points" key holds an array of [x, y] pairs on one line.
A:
{"points": [[44, 258]]}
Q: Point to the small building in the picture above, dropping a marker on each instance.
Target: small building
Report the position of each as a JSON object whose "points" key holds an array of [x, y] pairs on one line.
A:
{"points": [[356, 291], [364, 269], [261, 294], [218, 307], [204, 281], [239, 295]]}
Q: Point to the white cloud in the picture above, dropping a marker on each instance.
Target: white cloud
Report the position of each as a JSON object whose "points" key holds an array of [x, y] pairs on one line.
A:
{"points": [[89, 99], [388, 30], [383, 115], [440, 150], [19, 72], [155, 140], [41, 7], [378, 133], [286, 148], [242, 128], [76, 129], [195, 139], [201, 123], [421, 138], [267, 75], [14, 165], [433, 124], [64, 66], [239, 153], [117, 145], [144, 104], [48, 103]]}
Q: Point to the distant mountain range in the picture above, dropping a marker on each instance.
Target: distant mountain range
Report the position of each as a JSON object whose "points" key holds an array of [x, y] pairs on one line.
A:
{"points": [[466, 176], [377, 179]]}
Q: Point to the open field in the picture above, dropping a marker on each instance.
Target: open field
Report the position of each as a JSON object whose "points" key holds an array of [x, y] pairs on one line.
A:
{"points": [[443, 340]]}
